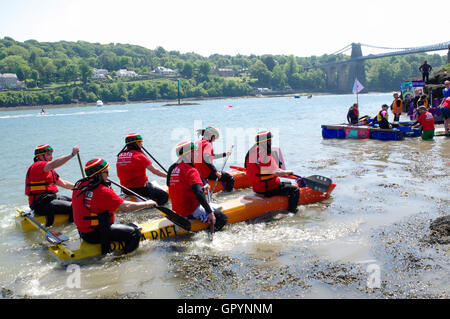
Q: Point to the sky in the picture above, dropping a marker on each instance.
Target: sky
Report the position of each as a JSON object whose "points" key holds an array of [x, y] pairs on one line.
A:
{"points": [[231, 27]]}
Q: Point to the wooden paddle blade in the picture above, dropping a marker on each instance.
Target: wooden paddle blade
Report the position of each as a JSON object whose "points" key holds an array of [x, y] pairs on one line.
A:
{"points": [[175, 218]]}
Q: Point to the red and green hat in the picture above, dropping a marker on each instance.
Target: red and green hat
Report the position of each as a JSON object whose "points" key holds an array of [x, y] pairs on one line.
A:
{"points": [[42, 149], [95, 166], [211, 131], [133, 138], [263, 136], [184, 148]]}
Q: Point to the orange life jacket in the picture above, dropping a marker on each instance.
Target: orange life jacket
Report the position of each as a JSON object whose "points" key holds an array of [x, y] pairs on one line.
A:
{"points": [[38, 182], [261, 182], [397, 109]]}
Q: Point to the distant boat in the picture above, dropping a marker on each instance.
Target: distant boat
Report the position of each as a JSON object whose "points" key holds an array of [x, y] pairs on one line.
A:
{"points": [[99, 103], [43, 112], [297, 96], [309, 96]]}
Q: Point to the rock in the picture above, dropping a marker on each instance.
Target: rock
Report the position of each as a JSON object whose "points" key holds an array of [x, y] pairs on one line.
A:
{"points": [[436, 83], [440, 230]]}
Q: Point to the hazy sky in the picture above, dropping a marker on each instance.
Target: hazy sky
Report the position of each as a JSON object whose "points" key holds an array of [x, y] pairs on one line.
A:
{"points": [[301, 28]]}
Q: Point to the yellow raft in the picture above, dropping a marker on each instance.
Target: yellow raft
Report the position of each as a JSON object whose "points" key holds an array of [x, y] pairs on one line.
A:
{"points": [[23, 224], [238, 209]]}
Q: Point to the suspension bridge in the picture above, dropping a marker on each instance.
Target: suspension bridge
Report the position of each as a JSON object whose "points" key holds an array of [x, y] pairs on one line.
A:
{"points": [[342, 73]]}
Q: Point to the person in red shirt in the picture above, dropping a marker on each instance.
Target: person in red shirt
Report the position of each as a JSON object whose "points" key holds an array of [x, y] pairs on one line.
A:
{"points": [[132, 165], [204, 156], [264, 172], [186, 191], [41, 183], [426, 120], [94, 206]]}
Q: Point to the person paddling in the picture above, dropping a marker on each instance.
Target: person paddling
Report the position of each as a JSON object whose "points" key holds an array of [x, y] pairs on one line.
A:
{"points": [[132, 165], [94, 206], [264, 172], [42, 181], [204, 156], [186, 192]]}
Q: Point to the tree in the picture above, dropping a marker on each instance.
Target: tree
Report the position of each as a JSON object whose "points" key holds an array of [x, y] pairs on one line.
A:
{"points": [[188, 70], [269, 62], [259, 70], [85, 71]]}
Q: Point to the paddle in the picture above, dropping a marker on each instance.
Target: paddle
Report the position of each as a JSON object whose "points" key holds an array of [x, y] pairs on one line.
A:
{"points": [[315, 182], [154, 159], [168, 213], [217, 179], [81, 166], [53, 238]]}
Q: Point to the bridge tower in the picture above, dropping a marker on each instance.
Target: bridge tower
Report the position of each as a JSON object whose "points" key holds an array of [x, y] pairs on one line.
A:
{"points": [[356, 68]]}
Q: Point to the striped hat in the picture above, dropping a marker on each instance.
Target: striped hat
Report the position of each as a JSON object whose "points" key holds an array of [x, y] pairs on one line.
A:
{"points": [[42, 149], [133, 138], [95, 166], [263, 136], [184, 148], [211, 131]]}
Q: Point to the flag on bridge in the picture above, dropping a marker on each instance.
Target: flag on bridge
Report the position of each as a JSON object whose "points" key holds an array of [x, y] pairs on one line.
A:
{"points": [[357, 87]]}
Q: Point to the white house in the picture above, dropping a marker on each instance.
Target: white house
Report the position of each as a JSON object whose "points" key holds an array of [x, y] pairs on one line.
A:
{"points": [[125, 72], [10, 81], [163, 70], [99, 74]]}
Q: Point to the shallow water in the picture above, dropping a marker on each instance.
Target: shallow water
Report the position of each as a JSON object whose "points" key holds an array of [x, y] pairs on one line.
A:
{"points": [[323, 251]]}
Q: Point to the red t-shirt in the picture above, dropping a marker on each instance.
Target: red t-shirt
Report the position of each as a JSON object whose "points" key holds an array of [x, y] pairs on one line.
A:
{"points": [[131, 168], [36, 174], [182, 178], [93, 202], [426, 119]]}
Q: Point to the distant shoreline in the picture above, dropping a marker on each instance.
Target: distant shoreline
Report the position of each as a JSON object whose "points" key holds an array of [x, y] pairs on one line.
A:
{"points": [[172, 102]]}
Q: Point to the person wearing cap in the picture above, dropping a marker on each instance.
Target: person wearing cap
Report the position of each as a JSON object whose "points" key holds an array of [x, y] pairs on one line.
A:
{"points": [[382, 118], [353, 114], [426, 119], [204, 156], [396, 107], [186, 189], [132, 165], [445, 110], [94, 206], [264, 172], [42, 181]]}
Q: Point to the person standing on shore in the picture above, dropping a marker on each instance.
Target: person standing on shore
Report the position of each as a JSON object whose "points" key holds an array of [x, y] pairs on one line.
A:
{"points": [[396, 107], [41, 184], [445, 91], [132, 165], [204, 156], [186, 189], [425, 68], [426, 120], [445, 110]]}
